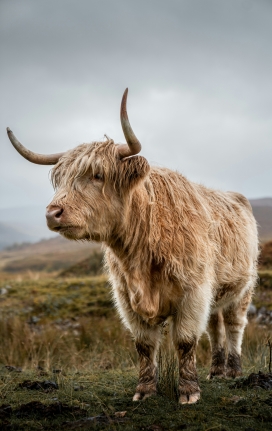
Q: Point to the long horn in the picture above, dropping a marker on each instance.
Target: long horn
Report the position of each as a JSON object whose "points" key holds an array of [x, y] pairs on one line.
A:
{"points": [[133, 146], [39, 159]]}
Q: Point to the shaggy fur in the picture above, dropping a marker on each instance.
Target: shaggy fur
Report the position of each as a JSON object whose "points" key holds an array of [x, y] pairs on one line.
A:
{"points": [[174, 250]]}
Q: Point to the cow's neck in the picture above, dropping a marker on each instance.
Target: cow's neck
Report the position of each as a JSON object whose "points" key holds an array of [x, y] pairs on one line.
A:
{"points": [[131, 236]]}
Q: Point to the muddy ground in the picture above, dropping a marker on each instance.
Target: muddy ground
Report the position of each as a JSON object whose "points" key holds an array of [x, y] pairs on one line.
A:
{"points": [[102, 400]]}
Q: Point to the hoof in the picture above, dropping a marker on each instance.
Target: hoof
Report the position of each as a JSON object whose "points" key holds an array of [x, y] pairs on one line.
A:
{"points": [[231, 374], [189, 399], [218, 376], [138, 396]]}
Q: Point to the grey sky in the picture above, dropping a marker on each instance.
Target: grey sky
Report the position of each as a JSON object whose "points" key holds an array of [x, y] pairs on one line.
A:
{"points": [[199, 77]]}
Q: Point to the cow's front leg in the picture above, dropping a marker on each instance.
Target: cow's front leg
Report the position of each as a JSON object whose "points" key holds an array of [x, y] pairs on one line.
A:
{"points": [[188, 324], [147, 346], [189, 391]]}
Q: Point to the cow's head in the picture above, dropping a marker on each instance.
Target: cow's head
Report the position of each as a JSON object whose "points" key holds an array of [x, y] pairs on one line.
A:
{"points": [[92, 183]]}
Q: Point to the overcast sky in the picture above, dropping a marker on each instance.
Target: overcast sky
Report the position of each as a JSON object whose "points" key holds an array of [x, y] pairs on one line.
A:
{"points": [[199, 74]]}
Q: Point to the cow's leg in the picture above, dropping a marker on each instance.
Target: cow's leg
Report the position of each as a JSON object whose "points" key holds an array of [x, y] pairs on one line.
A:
{"points": [[189, 390], [188, 325], [147, 339], [235, 318], [216, 330]]}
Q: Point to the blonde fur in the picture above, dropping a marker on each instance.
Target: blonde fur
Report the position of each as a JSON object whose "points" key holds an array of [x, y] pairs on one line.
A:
{"points": [[173, 249]]}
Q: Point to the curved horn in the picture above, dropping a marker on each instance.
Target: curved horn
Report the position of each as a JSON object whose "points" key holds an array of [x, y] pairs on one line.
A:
{"points": [[39, 159], [133, 146]]}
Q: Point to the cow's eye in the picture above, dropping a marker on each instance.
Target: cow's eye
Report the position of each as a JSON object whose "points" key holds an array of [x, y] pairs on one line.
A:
{"points": [[98, 177]]}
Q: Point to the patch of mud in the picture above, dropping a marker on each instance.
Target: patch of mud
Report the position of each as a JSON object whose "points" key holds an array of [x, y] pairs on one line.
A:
{"points": [[38, 408], [5, 411], [255, 381], [46, 385], [13, 369], [94, 420]]}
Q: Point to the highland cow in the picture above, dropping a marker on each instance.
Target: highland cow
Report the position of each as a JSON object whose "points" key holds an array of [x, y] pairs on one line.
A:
{"points": [[176, 251]]}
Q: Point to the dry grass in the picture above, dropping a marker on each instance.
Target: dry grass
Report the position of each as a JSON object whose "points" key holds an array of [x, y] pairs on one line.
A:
{"points": [[70, 325], [98, 374], [88, 343]]}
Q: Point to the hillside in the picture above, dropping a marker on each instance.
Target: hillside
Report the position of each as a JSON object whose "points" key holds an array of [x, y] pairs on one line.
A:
{"points": [[46, 255], [261, 202], [10, 235], [28, 222], [262, 210], [265, 259], [93, 265]]}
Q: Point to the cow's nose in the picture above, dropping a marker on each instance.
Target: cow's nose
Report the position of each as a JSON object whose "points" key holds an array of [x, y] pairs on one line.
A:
{"points": [[53, 216]]}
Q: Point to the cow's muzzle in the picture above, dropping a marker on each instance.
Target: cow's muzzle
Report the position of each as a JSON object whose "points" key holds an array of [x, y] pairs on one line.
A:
{"points": [[54, 216]]}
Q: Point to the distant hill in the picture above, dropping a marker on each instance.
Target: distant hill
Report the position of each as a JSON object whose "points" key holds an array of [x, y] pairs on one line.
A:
{"points": [[93, 265], [265, 260], [29, 222], [261, 202], [262, 210], [10, 235], [46, 255]]}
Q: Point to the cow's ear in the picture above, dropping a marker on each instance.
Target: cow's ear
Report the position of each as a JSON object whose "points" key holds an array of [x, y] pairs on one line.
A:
{"points": [[133, 169]]}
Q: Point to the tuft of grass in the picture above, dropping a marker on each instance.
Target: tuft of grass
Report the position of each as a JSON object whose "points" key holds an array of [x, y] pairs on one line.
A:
{"points": [[168, 374]]}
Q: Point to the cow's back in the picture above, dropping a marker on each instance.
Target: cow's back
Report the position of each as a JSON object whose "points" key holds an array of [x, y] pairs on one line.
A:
{"points": [[203, 227]]}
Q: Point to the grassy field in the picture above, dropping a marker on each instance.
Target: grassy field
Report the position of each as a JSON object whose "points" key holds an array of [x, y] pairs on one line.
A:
{"points": [[66, 362]]}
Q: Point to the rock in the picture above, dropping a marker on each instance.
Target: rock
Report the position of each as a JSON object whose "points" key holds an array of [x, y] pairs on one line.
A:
{"points": [[33, 320], [3, 291], [258, 380], [12, 368], [262, 310], [252, 310]]}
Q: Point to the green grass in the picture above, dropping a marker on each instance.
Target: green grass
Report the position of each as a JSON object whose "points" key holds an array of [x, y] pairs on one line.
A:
{"points": [[107, 392], [50, 324], [48, 298]]}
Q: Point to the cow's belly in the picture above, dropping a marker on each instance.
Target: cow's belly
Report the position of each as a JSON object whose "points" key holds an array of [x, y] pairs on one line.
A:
{"points": [[227, 294]]}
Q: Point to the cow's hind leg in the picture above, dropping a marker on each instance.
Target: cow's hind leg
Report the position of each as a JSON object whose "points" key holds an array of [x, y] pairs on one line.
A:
{"points": [[235, 318], [147, 342], [216, 330]]}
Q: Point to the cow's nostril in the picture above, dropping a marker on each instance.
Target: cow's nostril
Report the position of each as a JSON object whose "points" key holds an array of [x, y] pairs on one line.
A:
{"points": [[54, 216], [58, 214]]}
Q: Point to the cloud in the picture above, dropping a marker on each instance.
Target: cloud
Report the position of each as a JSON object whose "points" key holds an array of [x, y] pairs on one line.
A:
{"points": [[199, 75]]}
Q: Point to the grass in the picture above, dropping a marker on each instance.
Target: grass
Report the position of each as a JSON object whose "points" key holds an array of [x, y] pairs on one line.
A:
{"points": [[49, 298], [93, 393], [66, 331]]}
